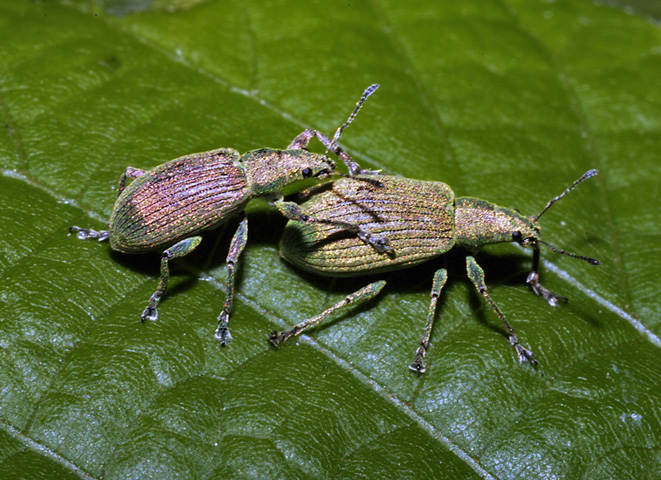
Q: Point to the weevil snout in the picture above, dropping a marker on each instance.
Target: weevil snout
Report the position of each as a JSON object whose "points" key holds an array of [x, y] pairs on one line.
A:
{"points": [[324, 172], [529, 235], [325, 168], [270, 171], [308, 165], [527, 232]]}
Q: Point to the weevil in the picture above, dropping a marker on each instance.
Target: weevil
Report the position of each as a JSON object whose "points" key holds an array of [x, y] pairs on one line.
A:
{"points": [[166, 208], [420, 220]]}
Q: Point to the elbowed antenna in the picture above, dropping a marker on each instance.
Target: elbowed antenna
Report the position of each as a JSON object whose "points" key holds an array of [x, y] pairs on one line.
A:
{"points": [[368, 91], [590, 260], [585, 176]]}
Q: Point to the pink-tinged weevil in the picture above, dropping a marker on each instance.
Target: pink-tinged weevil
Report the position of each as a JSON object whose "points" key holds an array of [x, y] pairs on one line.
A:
{"points": [[166, 208]]}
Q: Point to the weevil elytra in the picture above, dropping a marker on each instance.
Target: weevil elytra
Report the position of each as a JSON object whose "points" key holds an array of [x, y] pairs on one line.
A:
{"points": [[421, 220], [167, 207]]}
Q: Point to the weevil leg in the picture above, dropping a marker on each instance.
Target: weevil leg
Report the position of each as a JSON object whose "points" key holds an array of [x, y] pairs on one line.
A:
{"points": [[130, 172], [177, 250], [303, 139], [476, 275], [236, 247], [362, 295], [101, 235], [538, 288], [293, 211], [85, 233], [440, 277]]}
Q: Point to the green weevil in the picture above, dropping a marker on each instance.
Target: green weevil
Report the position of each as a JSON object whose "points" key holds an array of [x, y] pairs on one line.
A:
{"points": [[418, 220], [167, 207]]}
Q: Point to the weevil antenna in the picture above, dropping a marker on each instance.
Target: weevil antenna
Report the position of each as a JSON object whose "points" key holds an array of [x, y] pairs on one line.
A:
{"points": [[590, 260], [368, 91], [585, 176]]}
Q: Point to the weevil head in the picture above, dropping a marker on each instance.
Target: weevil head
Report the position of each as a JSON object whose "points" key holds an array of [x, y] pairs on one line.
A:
{"points": [[479, 223], [532, 238], [525, 230], [269, 171]]}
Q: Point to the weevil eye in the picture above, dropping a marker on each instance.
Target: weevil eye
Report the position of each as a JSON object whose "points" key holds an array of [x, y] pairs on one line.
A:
{"points": [[306, 172], [516, 236]]}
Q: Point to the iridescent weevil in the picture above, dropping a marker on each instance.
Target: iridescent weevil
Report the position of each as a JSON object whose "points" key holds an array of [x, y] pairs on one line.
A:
{"points": [[167, 207], [417, 221]]}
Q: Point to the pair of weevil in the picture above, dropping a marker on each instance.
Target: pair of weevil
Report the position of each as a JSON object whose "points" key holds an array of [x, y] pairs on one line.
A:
{"points": [[359, 224]]}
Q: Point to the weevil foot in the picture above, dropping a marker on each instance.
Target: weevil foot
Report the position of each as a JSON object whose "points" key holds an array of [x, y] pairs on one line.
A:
{"points": [[223, 334], [277, 338], [151, 312], [380, 244], [85, 233], [274, 338], [522, 352], [542, 291], [418, 365]]}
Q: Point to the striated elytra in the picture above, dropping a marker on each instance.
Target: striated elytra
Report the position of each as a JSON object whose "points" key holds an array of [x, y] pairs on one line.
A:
{"points": [[418, 221]]}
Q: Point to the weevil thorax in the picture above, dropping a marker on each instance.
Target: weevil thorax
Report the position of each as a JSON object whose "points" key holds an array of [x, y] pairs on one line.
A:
{"points": [[269, 171], [478, 223]]}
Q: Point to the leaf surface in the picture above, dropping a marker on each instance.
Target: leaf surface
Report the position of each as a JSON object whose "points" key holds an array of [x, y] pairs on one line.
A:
{"points": [[509, 101]]}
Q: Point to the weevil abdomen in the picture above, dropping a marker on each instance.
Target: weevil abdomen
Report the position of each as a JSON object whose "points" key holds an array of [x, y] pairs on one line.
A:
{"points": [[416, 217], [178, 199]]}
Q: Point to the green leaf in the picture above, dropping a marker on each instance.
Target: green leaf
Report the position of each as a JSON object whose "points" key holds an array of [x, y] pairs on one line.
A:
{"points": [[505, 100]]}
